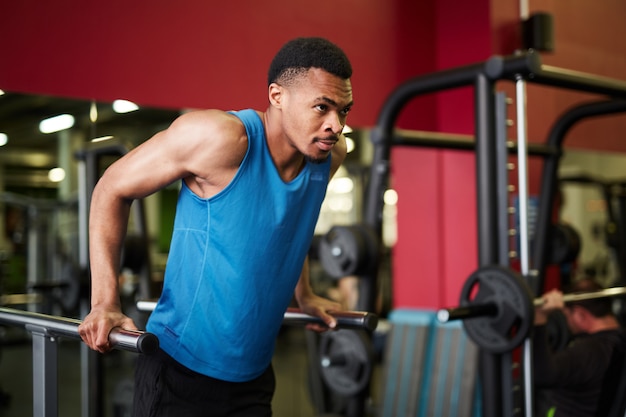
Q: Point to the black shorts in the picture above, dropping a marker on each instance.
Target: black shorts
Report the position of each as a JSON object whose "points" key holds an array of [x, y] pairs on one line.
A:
{"points": [[165, 388]]}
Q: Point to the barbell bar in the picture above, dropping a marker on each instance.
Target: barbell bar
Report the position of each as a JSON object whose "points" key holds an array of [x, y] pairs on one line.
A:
{"points": [[491, 309], [356, 320], [497, 307]]}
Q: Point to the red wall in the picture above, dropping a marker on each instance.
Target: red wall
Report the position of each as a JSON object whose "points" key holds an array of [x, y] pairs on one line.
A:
{"points": [[191, 54], [436, 249], [196, 55]]}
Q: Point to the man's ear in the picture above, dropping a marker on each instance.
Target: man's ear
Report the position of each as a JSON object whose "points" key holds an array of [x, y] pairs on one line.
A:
{"points": [[275, 93], [583, 313]]}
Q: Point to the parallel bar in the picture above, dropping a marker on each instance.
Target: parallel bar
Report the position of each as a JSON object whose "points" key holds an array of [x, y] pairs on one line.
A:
{"points": [[133, 341], [491, 309], [361, 320]]}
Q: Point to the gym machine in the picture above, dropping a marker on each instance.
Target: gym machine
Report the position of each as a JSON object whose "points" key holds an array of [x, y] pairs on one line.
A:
{"points": [[45, 331], [491, 148]]}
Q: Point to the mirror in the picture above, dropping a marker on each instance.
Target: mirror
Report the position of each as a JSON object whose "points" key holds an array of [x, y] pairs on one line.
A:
{"points": [[593, 185]]}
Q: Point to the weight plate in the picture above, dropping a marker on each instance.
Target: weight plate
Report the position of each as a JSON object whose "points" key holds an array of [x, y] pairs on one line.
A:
{"points": [[510, 293], [559, 334], [347, 250], [345, 361], [564, 244]]}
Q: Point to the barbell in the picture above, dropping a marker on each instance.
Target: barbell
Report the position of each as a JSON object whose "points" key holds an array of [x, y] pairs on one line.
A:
{"points": [[497, 307]]}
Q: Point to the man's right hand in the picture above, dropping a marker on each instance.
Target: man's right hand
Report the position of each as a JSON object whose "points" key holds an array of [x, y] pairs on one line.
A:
{"points": [[96, 327], [552, 300]]}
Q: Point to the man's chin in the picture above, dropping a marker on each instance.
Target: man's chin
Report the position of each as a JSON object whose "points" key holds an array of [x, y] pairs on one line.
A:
{"points": [[316, 159]]}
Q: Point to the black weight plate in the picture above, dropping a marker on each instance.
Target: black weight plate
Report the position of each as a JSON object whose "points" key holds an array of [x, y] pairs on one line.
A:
{"points": [[345, 361], [509, 292], [559, 334], [345, 250], [564, 245]]}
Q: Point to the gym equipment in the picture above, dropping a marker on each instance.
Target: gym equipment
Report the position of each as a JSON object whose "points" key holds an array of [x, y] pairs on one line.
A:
{"points": [[348, 250], [359, 320], [500, 300], [429, 368], [54, 326], [356, 320], [565, 244], [559, 334], [45, 331], [346, 360], [499, 313]]}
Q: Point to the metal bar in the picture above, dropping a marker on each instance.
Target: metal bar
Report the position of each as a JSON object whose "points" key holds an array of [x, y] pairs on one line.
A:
{"points": [[486, 184], [45, 373], [381, 136], [426, 139], [580, 81], [574, 297], [502, 180], [491, 309], [345, 319], [550, 178], [133, 341], [491, 369], [361, 320], [467, 312], [524, 229]]}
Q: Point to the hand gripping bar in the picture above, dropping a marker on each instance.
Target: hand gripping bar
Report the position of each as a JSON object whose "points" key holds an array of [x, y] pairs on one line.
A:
{"points": [[130, 340], [358, 320]]}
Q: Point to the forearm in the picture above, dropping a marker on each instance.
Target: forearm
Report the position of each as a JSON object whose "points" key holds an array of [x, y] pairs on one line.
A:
{"points": [[303, 287], [107, 230]]}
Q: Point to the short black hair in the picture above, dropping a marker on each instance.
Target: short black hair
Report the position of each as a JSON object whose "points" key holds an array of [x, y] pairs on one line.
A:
{"points": [[301, 54], [598, 307]]}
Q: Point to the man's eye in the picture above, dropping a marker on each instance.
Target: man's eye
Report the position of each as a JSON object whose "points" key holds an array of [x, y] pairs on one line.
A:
{"points": [[346, 111], [322, 107]]}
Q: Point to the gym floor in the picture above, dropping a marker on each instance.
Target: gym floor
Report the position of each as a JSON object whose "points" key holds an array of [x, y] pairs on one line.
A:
{"points": [[292, 398]]}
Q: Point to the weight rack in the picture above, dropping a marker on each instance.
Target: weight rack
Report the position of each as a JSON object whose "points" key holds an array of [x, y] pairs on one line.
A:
{"points": [[491, 213]]}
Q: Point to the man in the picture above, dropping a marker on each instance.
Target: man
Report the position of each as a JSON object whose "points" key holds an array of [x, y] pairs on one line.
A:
{"points": [[582, 377], [252, 187]]}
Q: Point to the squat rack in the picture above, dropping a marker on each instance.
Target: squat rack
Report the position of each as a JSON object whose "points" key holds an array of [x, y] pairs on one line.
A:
{"points": [[492, 214]]}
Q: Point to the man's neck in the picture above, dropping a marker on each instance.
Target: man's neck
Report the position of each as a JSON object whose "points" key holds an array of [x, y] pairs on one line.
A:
{"points": [[604, 323]]}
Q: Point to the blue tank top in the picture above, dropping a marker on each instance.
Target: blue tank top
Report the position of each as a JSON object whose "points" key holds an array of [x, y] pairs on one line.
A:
{"points": [[234, 262]]}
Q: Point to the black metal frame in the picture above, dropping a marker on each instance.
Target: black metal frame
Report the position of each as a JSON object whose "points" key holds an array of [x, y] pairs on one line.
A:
{"points": [[495, 369]]}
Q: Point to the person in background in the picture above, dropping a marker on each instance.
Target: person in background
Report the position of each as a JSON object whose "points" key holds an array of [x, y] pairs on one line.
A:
{"points": [[251, 191], [581, 379]]}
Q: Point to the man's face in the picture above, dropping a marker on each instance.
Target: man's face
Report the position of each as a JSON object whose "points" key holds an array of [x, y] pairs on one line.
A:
{"points": [[315, 108], [573, 315]]}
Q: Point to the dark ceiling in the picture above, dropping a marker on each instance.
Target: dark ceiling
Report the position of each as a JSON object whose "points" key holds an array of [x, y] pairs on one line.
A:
{"points": [[30, 152]]}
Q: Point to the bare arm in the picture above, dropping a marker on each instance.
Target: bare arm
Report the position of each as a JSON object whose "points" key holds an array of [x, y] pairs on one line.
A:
{"points": [[307, 300], [203, 148]]}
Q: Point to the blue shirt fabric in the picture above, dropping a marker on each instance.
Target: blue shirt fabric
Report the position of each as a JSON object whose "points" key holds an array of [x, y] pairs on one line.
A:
{"points": [[234, 262]]}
